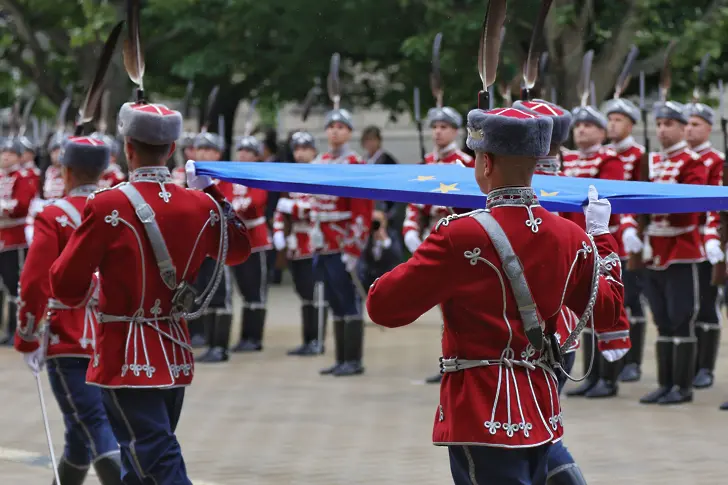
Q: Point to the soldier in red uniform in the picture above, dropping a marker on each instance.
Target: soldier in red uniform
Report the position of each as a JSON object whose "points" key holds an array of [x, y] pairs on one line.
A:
{"points": [[72, 331], [339, 233], [186, 144], [217, 320], [18, 188], [252, 276], [490, 341], [593, 160], [113, 175], [707, 325], [420, 219], [148, 239], [53, 185], [296, 207], [622, 114], [672, 256]]}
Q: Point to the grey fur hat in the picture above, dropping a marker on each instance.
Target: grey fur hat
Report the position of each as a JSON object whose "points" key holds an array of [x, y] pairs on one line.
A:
{"points": [[509, 131], [209, 140], [341, 115], [12, 145], [670, 110], [302, 139], [186, 140], [560, 116], [85, 152], [57, 141], [446, 114], [154, 124], [249, 143], [26, 143], [589, 114], [623, 106], [701, 111]]}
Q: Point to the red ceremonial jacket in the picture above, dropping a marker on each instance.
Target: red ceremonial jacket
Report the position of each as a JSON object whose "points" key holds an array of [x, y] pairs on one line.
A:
{"points": [[140, 343], [617, 338], [340, 224], [250, 204], [18, 188], [72, 330], [179, 176], [599, 162], [419, 214], [298, 241], [511, 399], [53, 187], [674, 238], [111, 177], [709, 223], [630, 153]]}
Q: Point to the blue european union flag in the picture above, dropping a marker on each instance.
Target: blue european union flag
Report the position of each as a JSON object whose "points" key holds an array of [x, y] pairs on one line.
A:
{"points": [[455, 186]]}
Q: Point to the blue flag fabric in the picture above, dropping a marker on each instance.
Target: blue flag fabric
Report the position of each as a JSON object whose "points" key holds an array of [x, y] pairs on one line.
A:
{"points": [[455, 186]]}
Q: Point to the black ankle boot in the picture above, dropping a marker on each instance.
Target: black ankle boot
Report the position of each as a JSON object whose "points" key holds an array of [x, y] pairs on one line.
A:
{"points": [[339, 343], [683, 371], [607, 385], [108, 470], [708, 344], [632, 370], [353, 349]]}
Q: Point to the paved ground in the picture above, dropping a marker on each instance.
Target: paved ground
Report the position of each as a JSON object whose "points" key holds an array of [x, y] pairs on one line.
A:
{"points": [[270, 419]]}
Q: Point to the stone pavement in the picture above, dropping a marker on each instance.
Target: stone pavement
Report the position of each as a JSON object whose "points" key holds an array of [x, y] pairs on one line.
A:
{"points": [[270, 419]]}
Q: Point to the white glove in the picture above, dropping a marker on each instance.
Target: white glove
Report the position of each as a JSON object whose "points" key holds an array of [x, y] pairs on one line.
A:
{"points": [[29, 234], [279, 240], [412, 241], [194, 181], [241, 204], [292, 242], [285, 205], [614, 355], [597, 214], [34, 360], [349, 261], [714, 251], [632, 243]]}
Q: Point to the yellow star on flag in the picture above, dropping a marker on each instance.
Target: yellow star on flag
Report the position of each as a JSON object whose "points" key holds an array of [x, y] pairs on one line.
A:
{"points": [[548, 194], [423, 178], [445, 188]]}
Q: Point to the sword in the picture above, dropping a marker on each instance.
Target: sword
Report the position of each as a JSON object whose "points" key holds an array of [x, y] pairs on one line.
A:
{"points": [[43, 409], [418, 121]]}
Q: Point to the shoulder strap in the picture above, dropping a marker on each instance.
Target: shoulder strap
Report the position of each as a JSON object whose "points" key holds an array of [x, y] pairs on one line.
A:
{"points": [[513, 268], [70, 211], [146, 215]]}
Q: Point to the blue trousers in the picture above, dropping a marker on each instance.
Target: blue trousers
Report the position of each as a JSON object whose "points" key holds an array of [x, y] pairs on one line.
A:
{"points": [[339, 290], [483, 465], [88, 432], [144, 421]]}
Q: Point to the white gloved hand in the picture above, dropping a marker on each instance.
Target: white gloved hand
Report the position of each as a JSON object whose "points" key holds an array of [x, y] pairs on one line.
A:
{"points": [[285, 205], [597, 214], [29, 234], [34, 360], [412, 241], [632, 243], [714, 251], [279, 240], [614, 355], [292, 242], [349, 261], [194, 181]]}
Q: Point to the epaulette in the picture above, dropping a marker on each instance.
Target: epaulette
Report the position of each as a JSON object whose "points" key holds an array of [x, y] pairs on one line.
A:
{"points": [[102, 190], [445, 221]]}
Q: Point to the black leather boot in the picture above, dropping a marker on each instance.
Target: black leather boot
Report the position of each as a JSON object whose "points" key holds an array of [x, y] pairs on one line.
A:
{"points": [[339, 348], [566, 475], [683, 371], [308, 330], [587, 345], [12, 320], [632, 371], [251, 333], [210, 323], [196, 328], [607, 385], [708, 344], [664, 357], [353, 349], [108, 470], [71, 475]]}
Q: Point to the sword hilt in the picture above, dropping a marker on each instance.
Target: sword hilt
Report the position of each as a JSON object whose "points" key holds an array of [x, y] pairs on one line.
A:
{"points": [[525, 94]]}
